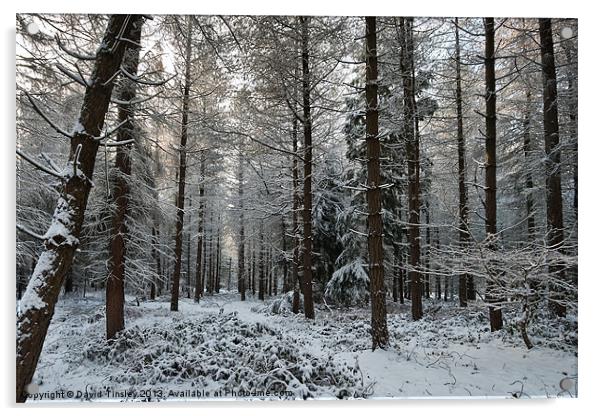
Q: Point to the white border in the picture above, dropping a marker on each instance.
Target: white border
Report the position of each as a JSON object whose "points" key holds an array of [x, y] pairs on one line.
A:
{"points": [[589, 151]]}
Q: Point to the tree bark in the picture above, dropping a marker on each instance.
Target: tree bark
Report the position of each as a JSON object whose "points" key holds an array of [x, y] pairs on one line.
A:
{"points": [[438, 278], [555, 235], [308, 299], [261, 271], [380, 334], [205, 267], [198, 281], [241, 233], [395, 288], [218, 259], [189, 251], [295, 267], [529, 185], [285, 278], [573, 125], [466, 284], [209, 272], [402, 279], [69, 282], [115, 288], [403, 292], [253, 272], [427, 250], [229, 272], [155, 256], [446, 289], [495, 312], [412, 150], [175, 287], [37, 305], [573, 132], [269, 272]]}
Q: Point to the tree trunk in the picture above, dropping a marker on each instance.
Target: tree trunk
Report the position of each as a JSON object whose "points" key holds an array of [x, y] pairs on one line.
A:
{"points": [[273, 276], [189, 251], [218, 259], [573, 132], [438, 278], [261, 269], [209, 275], [198, 281], [427, 250], [412, 150], [555, 235], [495, 312], [295, 267], [229, 272], [380, 334], [241, 232], [175, 286], [446, 289], [402, 279], [308, 299], [69, 281], [115, 287], [528, 176], [253, 272], [395, 289], [403, 293], [269, 272], [573, 125], [205, 267], [465, 284], [155, 256], [61, 240], [285, 278]]}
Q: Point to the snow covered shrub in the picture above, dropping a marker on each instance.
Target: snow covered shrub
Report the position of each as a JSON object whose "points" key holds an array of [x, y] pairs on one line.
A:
{"points": [[284, 304], [222, 351], [349, 285]]}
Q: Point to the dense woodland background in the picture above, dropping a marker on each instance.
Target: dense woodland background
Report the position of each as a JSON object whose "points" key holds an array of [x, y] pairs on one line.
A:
{"points": [[338, 161]]}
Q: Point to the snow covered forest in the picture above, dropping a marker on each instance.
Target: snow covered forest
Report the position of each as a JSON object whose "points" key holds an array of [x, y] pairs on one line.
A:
{"points": [[295, 207]]}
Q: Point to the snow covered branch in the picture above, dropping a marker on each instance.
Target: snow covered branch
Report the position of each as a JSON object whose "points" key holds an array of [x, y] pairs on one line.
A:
{"points": [[113, 130], [39, 166], [29, 232], [139, 80], [73, 54], [46, 118], [77, 78]]}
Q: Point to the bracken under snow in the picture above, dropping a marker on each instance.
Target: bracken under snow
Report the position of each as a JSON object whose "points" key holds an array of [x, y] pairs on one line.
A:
{"points": [[225, 349]]}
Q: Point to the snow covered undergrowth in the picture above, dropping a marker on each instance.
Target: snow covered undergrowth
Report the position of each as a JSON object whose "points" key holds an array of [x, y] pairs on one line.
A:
{"points": [[225, 349]]}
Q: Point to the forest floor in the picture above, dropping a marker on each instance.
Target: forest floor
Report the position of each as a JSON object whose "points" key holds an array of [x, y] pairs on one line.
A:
{"points": [[223, 348]]}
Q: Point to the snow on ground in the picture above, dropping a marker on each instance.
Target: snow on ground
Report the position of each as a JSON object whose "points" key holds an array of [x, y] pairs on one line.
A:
{"points": [[222, 348]]}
